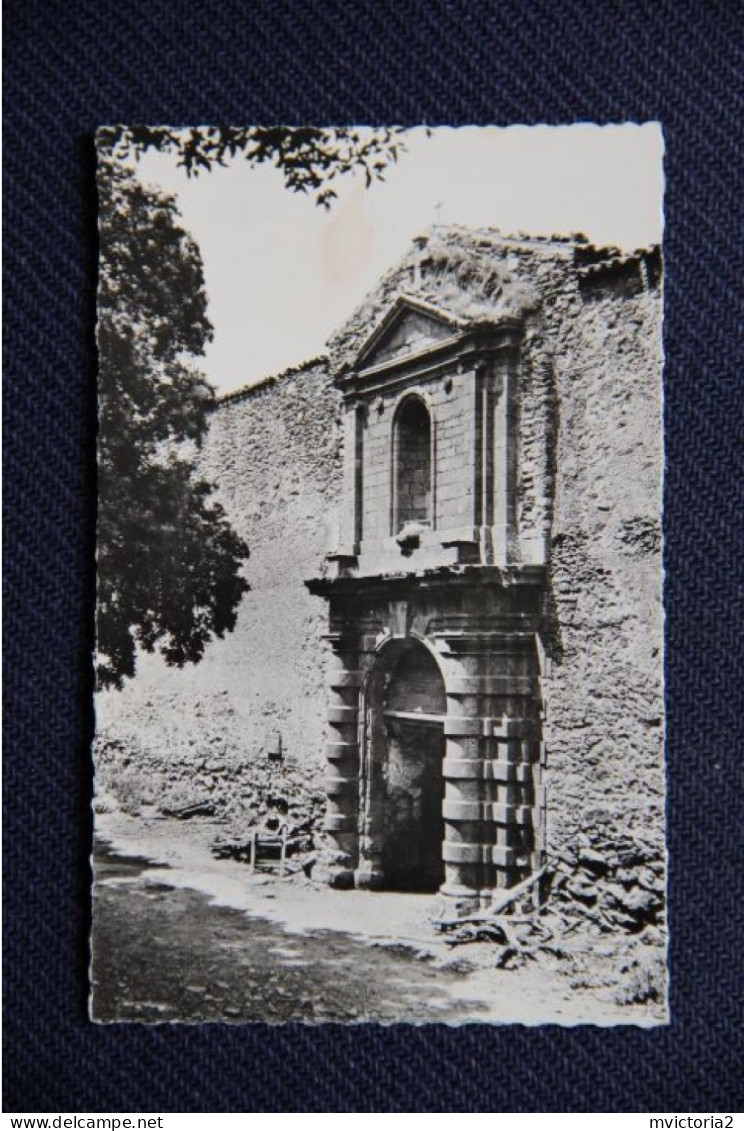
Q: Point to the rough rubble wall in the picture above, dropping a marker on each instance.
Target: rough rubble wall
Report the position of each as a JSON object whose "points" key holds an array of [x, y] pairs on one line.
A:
{"points": [[205, 734], [604, 638], [590, 469]]}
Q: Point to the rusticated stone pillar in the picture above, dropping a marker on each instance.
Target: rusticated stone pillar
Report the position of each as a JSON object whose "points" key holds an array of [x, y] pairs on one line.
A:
{"points": [[462, 786], [342, 754], [373, 734], [492, 755]]}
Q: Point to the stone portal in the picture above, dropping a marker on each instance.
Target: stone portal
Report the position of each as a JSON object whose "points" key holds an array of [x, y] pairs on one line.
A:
{"points": [[434, 710]]}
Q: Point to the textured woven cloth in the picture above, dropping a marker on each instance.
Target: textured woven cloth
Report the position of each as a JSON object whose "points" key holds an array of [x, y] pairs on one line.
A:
{"points": [[73, 65]]}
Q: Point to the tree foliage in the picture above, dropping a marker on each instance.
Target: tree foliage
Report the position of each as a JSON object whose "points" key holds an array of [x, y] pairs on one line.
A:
{"points": [[168, 560], [310, 158]]}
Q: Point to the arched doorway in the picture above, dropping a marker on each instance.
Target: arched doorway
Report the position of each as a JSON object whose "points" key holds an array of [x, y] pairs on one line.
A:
{"points": [[406, 736]]}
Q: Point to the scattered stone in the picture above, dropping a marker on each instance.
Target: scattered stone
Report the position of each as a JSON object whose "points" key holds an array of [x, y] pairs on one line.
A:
{"points": [[457, 965], [593, 860], [648, 880], [510, 958], [204, 808], [582, 890]]}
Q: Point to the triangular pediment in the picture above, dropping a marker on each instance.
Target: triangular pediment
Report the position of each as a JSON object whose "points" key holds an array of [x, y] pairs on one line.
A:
{"points": [[408, 327]]}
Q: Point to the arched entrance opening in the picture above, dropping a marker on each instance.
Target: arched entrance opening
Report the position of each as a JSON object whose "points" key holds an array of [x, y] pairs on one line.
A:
{"points": [[406, 735]]}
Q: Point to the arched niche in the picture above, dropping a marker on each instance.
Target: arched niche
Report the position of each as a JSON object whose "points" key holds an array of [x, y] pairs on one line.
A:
{"points": [[412, 464]]}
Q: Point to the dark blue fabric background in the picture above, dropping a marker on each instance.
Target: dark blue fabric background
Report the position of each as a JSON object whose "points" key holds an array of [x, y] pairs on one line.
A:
{"points": [[72, 64]]}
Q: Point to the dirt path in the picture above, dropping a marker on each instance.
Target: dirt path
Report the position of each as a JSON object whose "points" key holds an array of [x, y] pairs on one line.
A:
{"points": [[179, 936], [165, 953]]}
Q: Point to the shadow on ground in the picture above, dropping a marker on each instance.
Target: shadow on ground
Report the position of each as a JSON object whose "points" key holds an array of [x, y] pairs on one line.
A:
{"points": [[166, 953]]}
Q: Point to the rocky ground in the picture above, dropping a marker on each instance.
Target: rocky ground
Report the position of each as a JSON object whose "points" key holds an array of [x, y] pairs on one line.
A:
{"points": [[181, 935]]}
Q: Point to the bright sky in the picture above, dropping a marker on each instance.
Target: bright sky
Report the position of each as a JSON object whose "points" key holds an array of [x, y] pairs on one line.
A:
{"points": [[283, 274]]}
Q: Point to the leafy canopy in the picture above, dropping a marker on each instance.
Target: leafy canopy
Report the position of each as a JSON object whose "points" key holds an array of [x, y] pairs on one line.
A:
{"points": [[309, 157], [168, 560]]}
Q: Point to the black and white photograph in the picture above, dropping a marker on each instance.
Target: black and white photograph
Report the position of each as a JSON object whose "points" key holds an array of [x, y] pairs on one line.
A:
{"points": [[379, 630]]}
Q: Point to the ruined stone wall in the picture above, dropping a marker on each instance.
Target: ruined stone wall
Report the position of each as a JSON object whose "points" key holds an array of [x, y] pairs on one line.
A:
{"points": [[589, 501], [202, 736], [603, 686]]}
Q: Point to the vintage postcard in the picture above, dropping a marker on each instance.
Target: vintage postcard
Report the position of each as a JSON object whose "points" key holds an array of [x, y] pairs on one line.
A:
{"points": [[379, 700]]}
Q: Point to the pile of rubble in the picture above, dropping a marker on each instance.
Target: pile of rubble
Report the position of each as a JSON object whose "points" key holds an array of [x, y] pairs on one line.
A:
{"points": [[596, 917], [512, 940], [243, 796], [613, 880], [627, 970]]}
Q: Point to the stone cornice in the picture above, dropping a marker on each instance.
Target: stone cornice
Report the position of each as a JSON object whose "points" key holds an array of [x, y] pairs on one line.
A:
{"points": [[531, 576]]}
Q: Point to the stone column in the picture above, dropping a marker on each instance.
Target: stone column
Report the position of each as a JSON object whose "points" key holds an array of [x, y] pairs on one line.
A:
{"points": [[369, 873], [492, 734], [510, 690], [342, 754], [350, 511], [462, 783]]}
